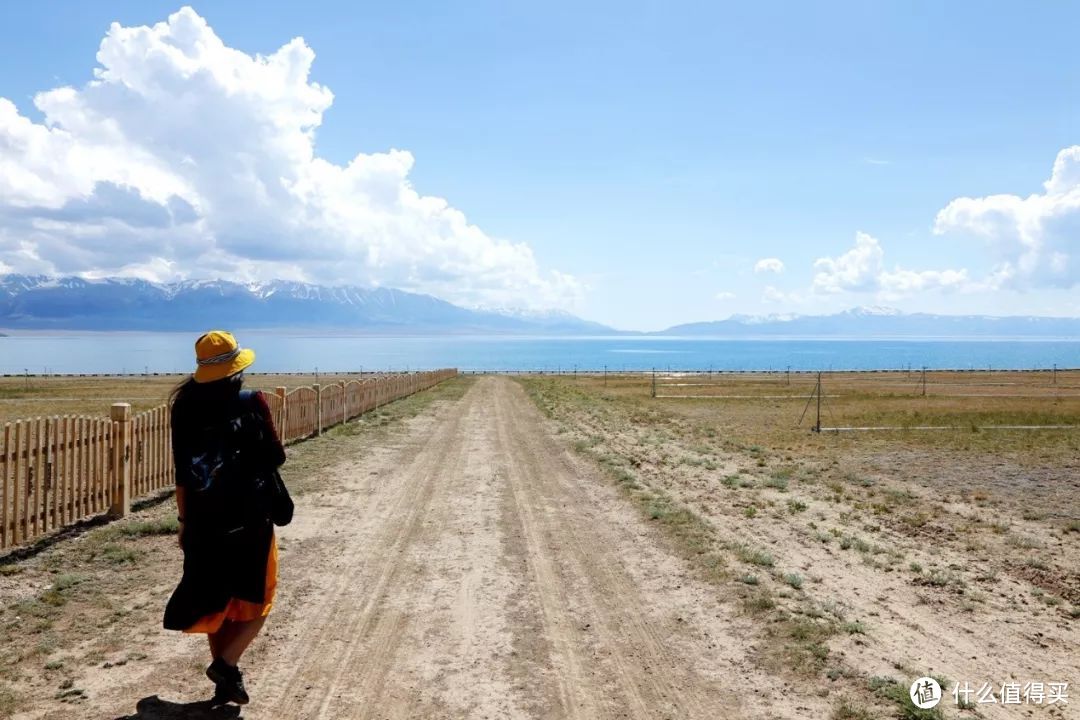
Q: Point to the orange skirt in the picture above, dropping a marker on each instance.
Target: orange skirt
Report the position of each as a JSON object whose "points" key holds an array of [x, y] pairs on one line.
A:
{"points": [[243, 610]]}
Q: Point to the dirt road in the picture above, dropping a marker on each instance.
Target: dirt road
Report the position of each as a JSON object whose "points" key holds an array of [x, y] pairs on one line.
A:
{"points": [[473, 569]]}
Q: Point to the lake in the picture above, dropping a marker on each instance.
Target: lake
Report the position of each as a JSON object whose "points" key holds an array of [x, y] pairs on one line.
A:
{"points": [[42, 352]]}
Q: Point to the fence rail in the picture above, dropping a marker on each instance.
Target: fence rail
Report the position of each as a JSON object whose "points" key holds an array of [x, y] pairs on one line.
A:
{"points": [[56, 471], [1056, 383]]}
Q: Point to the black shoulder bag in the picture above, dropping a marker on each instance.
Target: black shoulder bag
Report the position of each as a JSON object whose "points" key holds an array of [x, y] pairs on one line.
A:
{"points": [[270, 489]]}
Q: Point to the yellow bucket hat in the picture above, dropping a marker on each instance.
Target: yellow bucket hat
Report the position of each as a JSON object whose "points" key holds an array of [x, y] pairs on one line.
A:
{"points": [[219, 356]]}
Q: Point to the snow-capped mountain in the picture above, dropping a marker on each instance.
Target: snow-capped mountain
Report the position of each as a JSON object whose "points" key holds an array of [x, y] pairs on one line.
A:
{"points": [[72, 303], [764, 319], [869, 322], [872, 311]]}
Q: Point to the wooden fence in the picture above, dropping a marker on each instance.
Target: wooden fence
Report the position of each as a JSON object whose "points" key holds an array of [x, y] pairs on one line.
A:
{"points": [[56, 471]]}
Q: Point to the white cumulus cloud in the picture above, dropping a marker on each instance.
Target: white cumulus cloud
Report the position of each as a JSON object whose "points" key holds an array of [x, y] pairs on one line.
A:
{"points": [[862, 269], [1035, 240], [856, 270], [725, 295], [184, 157], [767, 265]]}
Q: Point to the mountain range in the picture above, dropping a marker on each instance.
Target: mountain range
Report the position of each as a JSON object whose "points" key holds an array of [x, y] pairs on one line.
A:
{"points": [[882, 322], [40, 302], [73, 303]]}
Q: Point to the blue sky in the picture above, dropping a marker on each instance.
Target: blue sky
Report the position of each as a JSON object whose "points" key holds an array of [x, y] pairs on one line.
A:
{"points": [[630, 162]]}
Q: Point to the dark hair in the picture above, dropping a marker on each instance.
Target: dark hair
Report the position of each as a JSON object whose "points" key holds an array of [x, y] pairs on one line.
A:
{"points": [[206, 396]]}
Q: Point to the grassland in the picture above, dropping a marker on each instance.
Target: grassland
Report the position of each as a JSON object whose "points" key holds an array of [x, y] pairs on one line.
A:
{"points": [[42, 396], [866, 559]]}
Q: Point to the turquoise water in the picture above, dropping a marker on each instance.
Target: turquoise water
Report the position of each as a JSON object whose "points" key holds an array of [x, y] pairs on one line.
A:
{"points": [[172, 352]]}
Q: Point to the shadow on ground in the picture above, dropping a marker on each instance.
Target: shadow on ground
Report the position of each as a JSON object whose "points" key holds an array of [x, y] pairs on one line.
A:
{"points": [[154, 708]]}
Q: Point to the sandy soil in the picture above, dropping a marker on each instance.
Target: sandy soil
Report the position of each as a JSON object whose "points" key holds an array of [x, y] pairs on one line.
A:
{"points": [[472, 567], [918, 557]]}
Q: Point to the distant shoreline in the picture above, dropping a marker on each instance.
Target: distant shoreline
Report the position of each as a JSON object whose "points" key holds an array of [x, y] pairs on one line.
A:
{"points": [[136, 353]]}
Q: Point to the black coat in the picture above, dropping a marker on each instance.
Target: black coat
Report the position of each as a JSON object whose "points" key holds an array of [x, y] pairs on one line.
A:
{"points": [[218, 566]]}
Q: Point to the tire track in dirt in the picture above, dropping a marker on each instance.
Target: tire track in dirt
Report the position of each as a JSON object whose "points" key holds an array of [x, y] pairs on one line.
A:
{"points": [[548, 498], [575, 700], [420, 621], [356, 618], [452, 662]]}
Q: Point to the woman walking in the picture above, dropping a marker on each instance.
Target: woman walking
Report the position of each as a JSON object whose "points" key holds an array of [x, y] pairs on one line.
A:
{"points": [[226, 450]]}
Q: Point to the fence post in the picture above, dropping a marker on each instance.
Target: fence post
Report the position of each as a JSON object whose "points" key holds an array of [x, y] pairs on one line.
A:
{"points": [[817, 427], [654, 382], [283, 418], [318, 408], [344, 402], [120, 413]]}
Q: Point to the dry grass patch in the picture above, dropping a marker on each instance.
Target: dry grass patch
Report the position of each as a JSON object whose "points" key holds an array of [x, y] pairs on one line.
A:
{"points": [[22, 397], [934, 523]]}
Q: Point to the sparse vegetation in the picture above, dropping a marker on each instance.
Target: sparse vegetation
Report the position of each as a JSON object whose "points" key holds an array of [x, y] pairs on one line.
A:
{"points": [[119, 554], [158, 526], [755, 556], [794, 580], [941, 579], [897, 693], [1025, 542], [761, 602], [776, 482], [881, 503], [10, 703], [846, 710]]}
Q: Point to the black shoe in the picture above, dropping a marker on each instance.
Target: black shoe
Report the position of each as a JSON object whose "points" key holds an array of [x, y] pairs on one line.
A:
{"points": [[221, 697], [228, 681]]}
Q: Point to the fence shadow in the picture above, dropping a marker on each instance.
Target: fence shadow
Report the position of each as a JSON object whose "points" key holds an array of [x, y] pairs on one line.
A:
{"points": [[44, 543], [77, 528], [154, 708]]}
